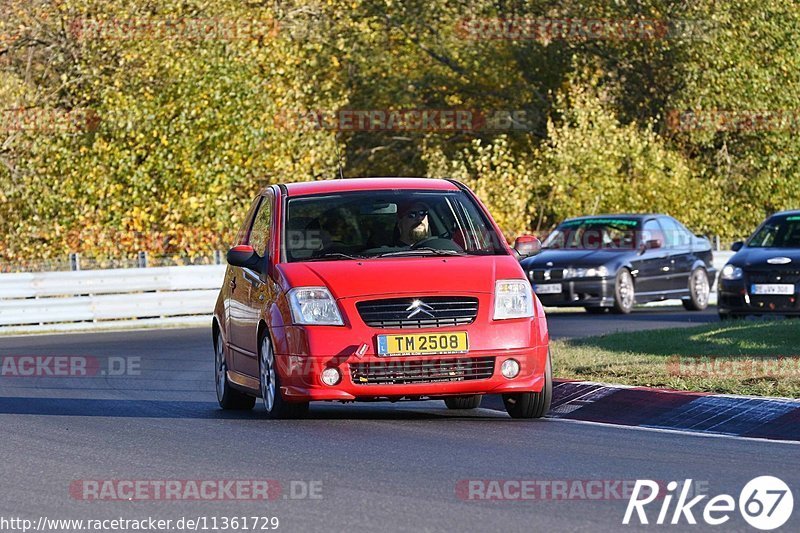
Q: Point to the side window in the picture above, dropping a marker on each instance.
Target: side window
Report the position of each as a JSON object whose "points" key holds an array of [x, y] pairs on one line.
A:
{"points": [[686, 237], [683, 236], [260, 233], [672, 233], [652, 230]]}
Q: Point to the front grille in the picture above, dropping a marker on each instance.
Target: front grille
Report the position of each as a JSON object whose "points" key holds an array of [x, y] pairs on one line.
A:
{"points": [[438, 312], [773, 276], [404, 371], [549, 274]]}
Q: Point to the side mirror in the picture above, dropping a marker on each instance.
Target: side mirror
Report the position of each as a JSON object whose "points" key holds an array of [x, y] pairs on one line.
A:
{"points": [[243, 256], [527, 245], [737, 246], [652, 244]]}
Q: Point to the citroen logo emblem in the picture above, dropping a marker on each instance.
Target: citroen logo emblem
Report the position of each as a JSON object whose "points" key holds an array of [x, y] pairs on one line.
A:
{"points": [[417, 307]]}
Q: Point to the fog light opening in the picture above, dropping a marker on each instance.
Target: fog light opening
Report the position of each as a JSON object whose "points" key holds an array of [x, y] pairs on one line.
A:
{"points": [[331, 376], [509, 368]]}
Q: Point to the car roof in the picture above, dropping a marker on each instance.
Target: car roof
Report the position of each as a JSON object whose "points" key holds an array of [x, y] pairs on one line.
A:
{"points": [[368, 184], [640, 216], [783, 213]]}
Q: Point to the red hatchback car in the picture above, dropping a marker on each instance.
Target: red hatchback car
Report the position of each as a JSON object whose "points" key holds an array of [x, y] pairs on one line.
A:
{"points": [[377, 289]]}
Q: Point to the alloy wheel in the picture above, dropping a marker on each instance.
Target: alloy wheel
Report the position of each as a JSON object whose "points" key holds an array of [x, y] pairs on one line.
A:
{"points": [[221, 367], [700, 287], [626, 293], [267, 370]]}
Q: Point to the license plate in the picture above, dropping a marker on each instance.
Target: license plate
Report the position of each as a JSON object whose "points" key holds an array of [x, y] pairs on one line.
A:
{"points": [[773, 288], [547, 288], [423, 343]]}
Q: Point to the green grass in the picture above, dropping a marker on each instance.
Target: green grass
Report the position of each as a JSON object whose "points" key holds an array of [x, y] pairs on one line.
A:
{"points": [[740, 357]]}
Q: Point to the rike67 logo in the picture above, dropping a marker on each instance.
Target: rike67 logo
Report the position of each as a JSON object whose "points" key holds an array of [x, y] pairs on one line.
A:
{"points": [[766, 503]]}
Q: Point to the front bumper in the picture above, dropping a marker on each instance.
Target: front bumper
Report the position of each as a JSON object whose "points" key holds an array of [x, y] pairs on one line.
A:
{"points": [[589, 292], [307, 386], [735, 299], [302, 353]]}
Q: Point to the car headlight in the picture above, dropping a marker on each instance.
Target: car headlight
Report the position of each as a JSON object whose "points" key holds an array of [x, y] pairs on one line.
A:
{"points": [[730, 272], [314, 306], [513, 298], [599, 272]]}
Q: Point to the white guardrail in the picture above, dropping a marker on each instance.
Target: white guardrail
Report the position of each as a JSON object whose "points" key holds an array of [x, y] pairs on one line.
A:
{"points": [[128, 297], [92, 299]]}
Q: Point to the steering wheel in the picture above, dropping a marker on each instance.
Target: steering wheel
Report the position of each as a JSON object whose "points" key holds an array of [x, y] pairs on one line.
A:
{"points": [[438, 243], [424, 242]]}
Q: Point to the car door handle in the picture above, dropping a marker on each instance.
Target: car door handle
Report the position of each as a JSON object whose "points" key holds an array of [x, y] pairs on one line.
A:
{"points": [[252, 278]]}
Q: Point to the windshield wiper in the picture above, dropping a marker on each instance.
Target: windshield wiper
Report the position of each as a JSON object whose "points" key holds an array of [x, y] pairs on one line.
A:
{"points": [[336, 255], [425, 251]]}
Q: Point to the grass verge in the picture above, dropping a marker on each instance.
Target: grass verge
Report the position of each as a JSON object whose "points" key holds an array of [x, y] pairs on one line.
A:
{"points": [[759, 358]]}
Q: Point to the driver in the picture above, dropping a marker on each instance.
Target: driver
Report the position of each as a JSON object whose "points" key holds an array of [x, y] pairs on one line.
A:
{"points": [[412, 223]]}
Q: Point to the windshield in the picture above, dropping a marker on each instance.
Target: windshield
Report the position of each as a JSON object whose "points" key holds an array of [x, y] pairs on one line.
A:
{"points": [[778, 232], [358, 225], [594, 234]]}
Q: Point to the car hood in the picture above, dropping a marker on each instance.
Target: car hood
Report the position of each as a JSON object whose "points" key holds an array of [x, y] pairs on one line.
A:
{"points": [[759, 257], [406, 275], [573, 258]]}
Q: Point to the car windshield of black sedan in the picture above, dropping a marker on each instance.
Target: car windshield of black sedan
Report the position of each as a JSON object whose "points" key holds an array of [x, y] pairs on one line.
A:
{"points": [[779, 232], [594, 234], [372, 224]]}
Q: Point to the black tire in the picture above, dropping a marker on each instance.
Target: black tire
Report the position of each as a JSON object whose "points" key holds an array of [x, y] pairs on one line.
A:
{"points": [[463, 402], [270, 384], [624, 292], [699, 290], [532, 404], [228, 397], [595, 310]]}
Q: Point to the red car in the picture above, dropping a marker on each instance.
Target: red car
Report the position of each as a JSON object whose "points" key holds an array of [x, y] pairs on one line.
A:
{"points": [[378, 289]]}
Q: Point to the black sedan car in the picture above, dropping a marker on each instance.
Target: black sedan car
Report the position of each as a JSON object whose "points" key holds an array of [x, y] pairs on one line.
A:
{"points": [[763, 277], [615, 261]]}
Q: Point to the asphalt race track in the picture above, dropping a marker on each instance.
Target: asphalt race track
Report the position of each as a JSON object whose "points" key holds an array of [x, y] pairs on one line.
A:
{"points": [[374, 467], [568, 323]]}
